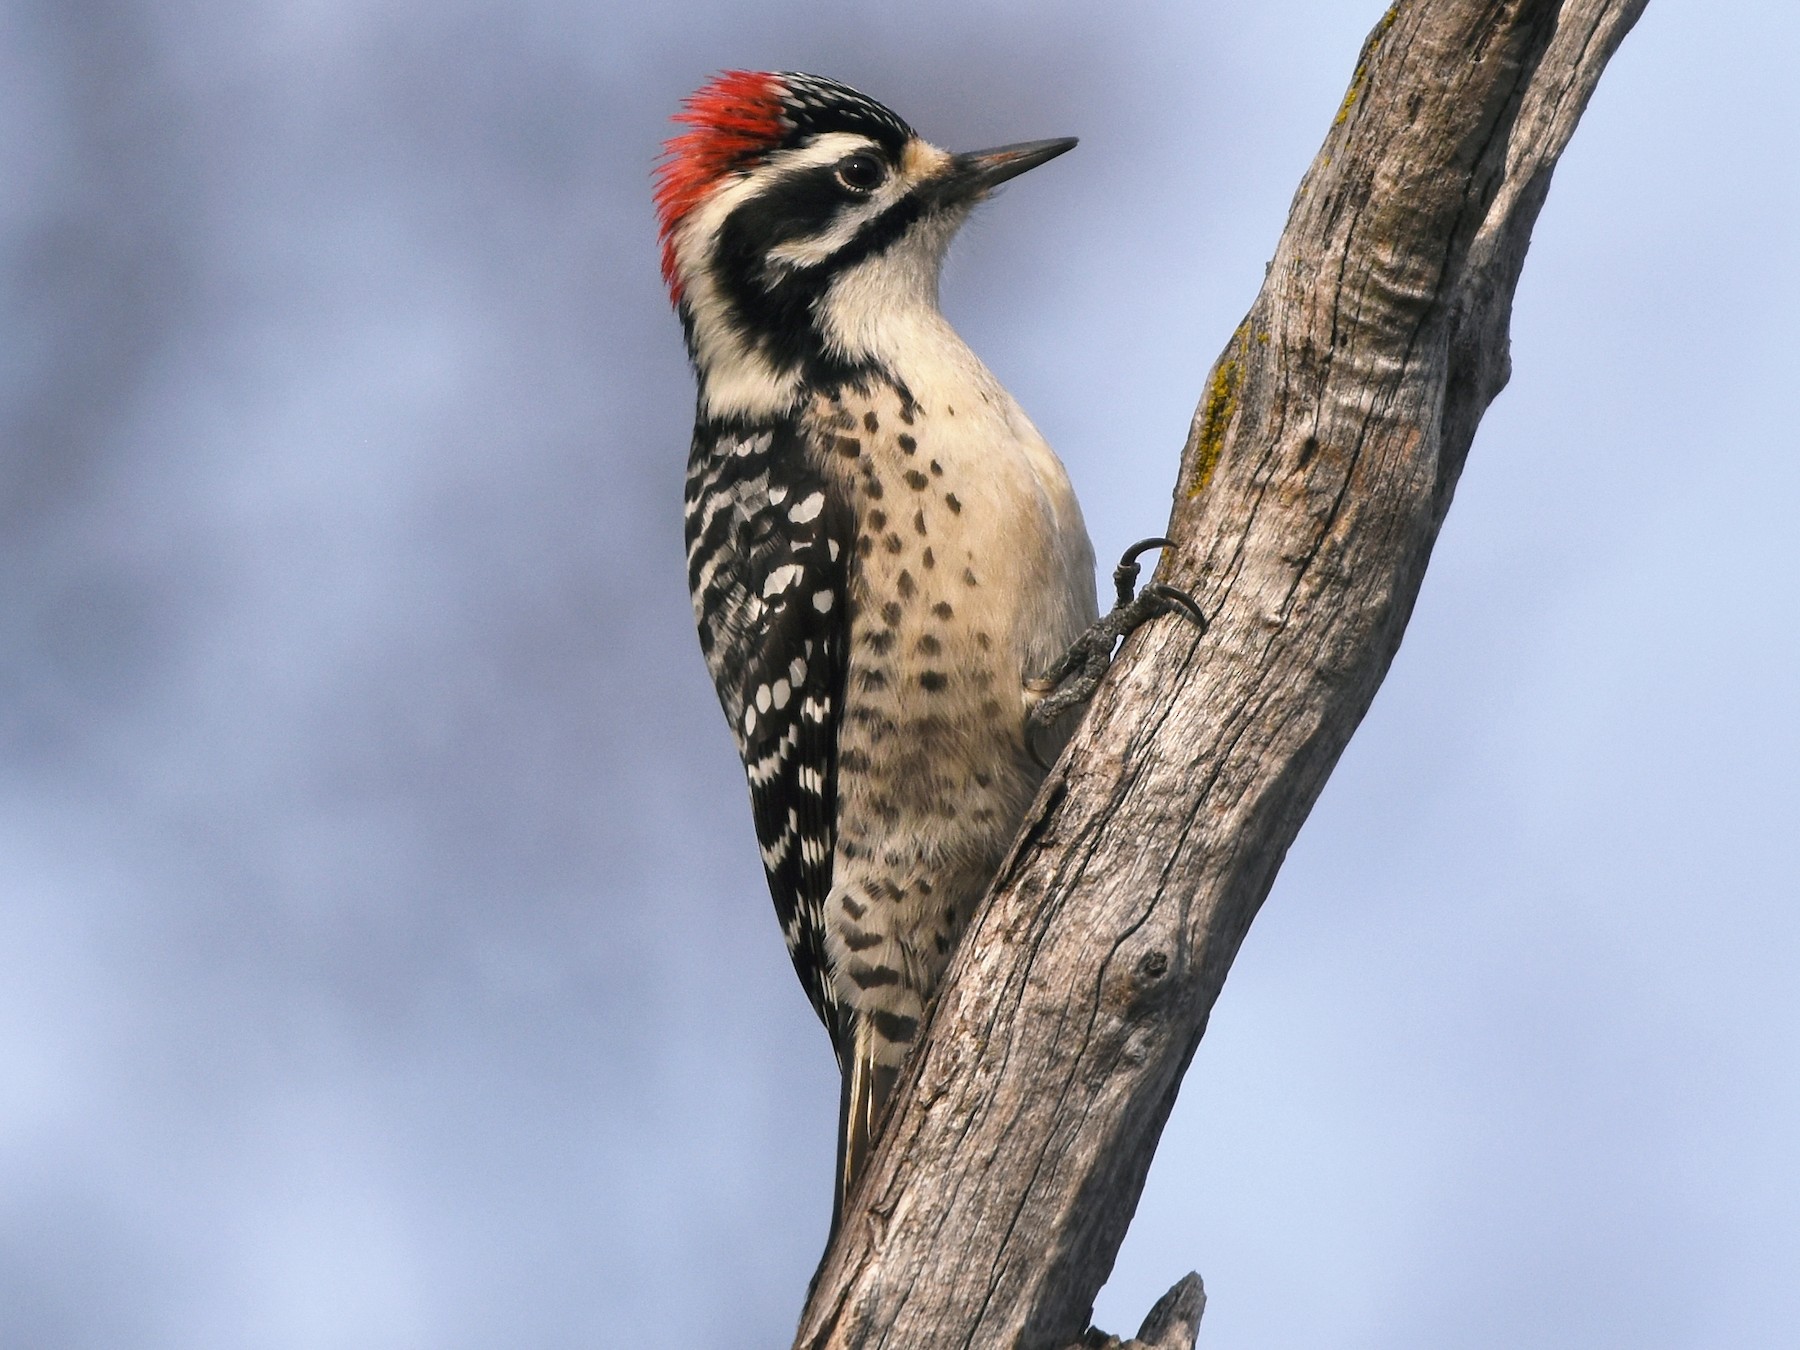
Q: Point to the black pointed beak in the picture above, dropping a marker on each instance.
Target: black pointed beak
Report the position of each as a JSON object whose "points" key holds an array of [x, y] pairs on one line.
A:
{"points": [[974, 174]]}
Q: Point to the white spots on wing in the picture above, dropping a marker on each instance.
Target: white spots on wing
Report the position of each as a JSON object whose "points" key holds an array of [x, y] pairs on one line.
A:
{"points": [[807, 510], [797, 668], [777, 495], [753, 445], [822, 601], [762, 771], [781, 578], [811, 780], [815, 709], [721, 499], [708, 571], [774, 850], [766, 768], [832, 544], [749, 718]]}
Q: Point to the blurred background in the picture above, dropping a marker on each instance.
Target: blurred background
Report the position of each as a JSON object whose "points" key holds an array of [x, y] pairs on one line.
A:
{"points": [[384, 956]]}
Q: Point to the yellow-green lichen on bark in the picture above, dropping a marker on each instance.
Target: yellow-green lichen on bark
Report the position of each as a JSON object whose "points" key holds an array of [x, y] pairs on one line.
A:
{"points": [[1350, 94], [1361, 77], [1217, 408]]}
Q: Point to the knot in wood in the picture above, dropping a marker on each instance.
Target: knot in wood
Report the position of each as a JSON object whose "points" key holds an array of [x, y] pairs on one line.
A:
{"points": [[1140, 985]]}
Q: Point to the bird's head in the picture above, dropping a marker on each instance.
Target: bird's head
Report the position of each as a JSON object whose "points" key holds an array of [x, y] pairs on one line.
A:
{"points": [[801, 222]]}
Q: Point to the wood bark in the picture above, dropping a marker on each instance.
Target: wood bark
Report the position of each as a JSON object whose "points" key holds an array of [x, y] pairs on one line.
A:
{"points": [[1321, 461]]}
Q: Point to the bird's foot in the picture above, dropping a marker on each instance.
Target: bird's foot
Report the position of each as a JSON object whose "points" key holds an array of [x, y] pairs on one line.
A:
{"points": [[1078, 672]]}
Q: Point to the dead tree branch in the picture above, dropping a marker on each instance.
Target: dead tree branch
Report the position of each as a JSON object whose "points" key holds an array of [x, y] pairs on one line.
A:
{"points": [[1321, 462]]}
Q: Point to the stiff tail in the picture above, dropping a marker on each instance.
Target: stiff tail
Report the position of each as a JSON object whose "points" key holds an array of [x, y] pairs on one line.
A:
{"points": [[867, 1087]]}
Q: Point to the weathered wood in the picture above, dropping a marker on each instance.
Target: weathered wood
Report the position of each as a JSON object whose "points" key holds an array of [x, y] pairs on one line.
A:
{"points": [[1173, 1321], [1320, 464]]}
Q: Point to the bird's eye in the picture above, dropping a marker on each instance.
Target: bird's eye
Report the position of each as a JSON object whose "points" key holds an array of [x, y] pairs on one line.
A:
{"points": [[861, 172]]}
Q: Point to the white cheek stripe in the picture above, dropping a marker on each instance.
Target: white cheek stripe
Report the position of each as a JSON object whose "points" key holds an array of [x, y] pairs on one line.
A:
{"points": [[818, 248]]}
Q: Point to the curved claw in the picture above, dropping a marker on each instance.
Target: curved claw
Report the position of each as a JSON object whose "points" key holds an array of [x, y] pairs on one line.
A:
{"points": [[1144, 546], [1178, 601], [1078, 672], [1125, 575]]}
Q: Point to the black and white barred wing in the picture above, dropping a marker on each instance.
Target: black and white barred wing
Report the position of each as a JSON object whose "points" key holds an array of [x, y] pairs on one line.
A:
{"points": [[768, 554]]}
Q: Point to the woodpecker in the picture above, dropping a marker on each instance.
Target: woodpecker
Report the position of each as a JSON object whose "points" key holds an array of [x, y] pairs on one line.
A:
{"points": [[889, 568]]}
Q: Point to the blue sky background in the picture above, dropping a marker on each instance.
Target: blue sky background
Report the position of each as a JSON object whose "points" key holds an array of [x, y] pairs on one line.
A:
{"points": [[384, 958]]}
